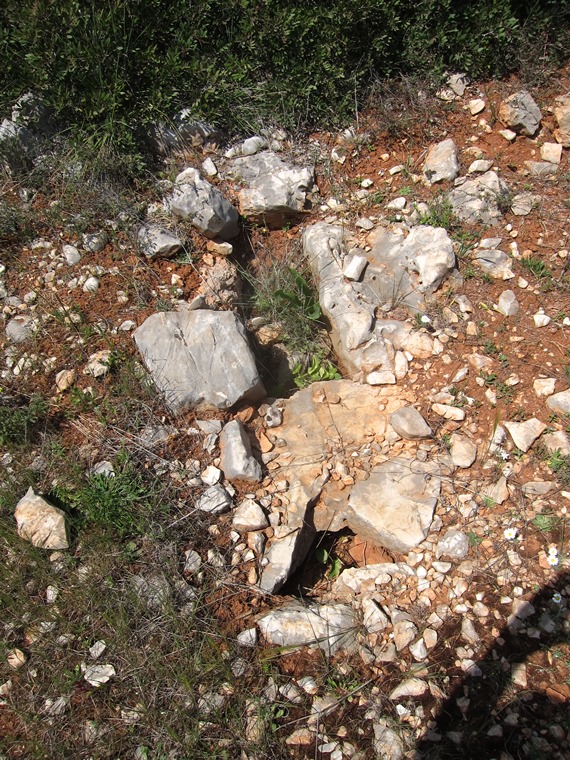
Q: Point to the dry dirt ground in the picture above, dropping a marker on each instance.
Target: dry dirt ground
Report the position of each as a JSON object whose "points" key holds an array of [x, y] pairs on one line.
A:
{"points": [[97, 417]]}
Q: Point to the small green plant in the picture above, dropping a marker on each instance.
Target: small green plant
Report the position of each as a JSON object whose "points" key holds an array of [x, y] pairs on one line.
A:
{"points": [[440, 213], [473, 538], [301, 296], [120, 502], [503, 391], [560, 464], [545, 523], [332, 563], [318, 369], [537, 267]]}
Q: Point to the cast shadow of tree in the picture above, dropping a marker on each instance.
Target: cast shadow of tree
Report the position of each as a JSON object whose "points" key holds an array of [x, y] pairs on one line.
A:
{"points": [[521, 718]]}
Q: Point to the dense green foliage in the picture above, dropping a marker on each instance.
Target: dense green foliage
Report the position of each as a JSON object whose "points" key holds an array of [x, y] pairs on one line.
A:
{"points": [[113, 65]]}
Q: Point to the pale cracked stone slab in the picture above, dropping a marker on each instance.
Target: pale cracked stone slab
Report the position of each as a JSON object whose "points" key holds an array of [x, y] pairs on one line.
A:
{"points": [[394, 507], [323, 426], [236, 459], [441, 162], [524, 434], [40, 522], [480, 200], [199, 359], [329, 627], [463, 451]]}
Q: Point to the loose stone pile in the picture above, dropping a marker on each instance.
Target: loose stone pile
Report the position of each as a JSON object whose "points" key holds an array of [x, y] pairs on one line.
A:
{"points": [[398, 459]]}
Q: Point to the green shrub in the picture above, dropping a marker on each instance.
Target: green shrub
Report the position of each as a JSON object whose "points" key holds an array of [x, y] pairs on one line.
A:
{"points": [[112, 67]]}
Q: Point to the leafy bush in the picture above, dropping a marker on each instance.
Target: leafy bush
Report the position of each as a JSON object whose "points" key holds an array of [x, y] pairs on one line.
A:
{"points": [[112, 67]]}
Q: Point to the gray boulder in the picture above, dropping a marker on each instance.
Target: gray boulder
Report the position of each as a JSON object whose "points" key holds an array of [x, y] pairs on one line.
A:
{"points": [[276, 192], [198, 202], [157, 243], [182, 131], [481, 199], [441, 162], [236, 459], [199, 359], [520, 113]]}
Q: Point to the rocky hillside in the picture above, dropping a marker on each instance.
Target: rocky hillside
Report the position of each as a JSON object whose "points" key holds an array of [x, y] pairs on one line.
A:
{"points": [[285, 438]]}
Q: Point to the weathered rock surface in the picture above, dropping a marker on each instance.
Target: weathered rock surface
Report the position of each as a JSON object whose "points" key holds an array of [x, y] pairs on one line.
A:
{"points": [[236, 459], [198, 202], [19, 329], [40, 522], [409, 423], [276, 191], [521, 113], [394, 507], [184, 130], [249, 516], [157, 243], [215, 500], [562, 114], [560, 402], [524, 434], [495, 263], [557, 441], [401, 271], [463, 451], [199, 359], [323, 426], [366, 580], [480, 199], [329, 627], [442, 162]]}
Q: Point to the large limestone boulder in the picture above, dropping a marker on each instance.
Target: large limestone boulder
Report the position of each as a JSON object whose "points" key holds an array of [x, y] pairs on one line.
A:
{"points": [[329, 627], [520, 113], [480, 200], [198, 202], [562, 115], [275, 192], [442, 162], [199, 359], [40, 522], [400, 271], [360, 346], [394, 507], [335, 440]]}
